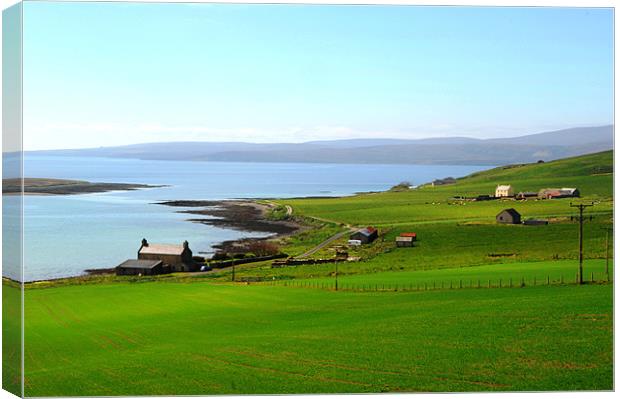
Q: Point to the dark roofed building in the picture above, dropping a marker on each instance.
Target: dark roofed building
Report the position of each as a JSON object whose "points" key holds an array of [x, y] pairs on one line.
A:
{"points": [[526, 194], [366, 235], [134, 267], [508, 216]]}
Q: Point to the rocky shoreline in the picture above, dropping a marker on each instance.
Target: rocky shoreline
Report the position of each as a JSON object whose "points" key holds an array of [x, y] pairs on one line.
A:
{"points": [[241, 215]]}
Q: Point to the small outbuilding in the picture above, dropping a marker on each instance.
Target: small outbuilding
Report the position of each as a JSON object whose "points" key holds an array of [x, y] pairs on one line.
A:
{"points": [[134, 267], [366, 235], [526, 194], [404, 241], [508, 216], [414, 236]]}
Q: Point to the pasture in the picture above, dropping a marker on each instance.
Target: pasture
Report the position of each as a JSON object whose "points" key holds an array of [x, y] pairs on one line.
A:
{"points": [[205, 338]]}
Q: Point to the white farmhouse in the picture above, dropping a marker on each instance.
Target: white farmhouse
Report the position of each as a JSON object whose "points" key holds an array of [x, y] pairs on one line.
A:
{"points": [[504, 190]]}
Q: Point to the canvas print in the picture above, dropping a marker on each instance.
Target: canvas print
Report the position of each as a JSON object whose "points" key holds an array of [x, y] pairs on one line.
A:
{"points": [[211, 199]]}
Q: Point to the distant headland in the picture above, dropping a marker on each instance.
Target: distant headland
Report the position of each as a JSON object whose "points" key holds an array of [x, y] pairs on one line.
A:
{"points": [[45, 186]]}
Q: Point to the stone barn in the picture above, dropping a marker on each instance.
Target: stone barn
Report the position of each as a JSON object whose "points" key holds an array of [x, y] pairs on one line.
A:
{"points": [[133, 267], [365, 236], [177, 258], [508, 216]]}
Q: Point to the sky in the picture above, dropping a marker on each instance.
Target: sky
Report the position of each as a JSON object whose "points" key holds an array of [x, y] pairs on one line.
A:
{"points": [[103, 74]]}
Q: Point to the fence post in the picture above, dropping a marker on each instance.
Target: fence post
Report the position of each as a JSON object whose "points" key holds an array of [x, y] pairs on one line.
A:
{"points": [[460, 284], [433, 285], [478, 283], [450, 284], [500, 283], [489, 283], [425, 287], [592, 277], [522, 281], [562, 279], [547, 279]]}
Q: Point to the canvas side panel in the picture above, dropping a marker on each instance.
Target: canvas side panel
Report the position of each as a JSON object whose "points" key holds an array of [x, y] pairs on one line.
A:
{"points": [[12, 201]]}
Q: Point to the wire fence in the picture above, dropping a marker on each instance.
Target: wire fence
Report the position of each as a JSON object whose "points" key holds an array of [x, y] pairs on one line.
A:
{"points": [[446, 284]]}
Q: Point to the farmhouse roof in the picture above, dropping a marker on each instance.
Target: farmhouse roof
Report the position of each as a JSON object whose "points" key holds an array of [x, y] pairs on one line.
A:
{"points": [[162, 249], [408, 235], [404, 239], [513, 212], [140, 264], [367, 231], [504, 187]]}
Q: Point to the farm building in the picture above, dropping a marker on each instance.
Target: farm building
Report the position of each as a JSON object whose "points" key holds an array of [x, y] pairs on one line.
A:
{"points": [[504, 190], [412, 235], [526, 194], [133, 267], [550, 193], [406, 241], [178, 258], [484, 197], [366, 235], [508, 216]]}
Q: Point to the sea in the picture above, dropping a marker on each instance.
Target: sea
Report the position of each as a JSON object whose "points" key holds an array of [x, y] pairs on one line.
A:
{"points": [[66, 234]]}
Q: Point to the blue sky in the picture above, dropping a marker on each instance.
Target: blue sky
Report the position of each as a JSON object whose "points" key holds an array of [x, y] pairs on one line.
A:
{"points": [[98, 74]]}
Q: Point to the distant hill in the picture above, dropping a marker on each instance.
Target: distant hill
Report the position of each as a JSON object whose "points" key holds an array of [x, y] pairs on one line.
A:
{"points": [[452, 150]]}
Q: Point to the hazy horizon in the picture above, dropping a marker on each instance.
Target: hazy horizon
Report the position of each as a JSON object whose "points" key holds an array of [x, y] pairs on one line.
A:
{"points": [[322, 140], [112, 74]]}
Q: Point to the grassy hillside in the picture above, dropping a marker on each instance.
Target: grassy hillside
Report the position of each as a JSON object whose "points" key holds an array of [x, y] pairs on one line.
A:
{"points": [[201, 338], [592, 174], [462, 233]]}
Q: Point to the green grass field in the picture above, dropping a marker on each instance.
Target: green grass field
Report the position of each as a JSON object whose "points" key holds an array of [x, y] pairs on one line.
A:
{"points": [[506, 275], [200, 334], [204, 338]]}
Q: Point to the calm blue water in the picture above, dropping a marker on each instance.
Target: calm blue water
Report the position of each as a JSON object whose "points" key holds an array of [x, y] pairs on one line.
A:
{"points": [[66, 234]]}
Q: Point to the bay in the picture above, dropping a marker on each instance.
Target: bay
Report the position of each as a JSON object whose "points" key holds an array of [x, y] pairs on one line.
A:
{"points": [[64, 235]]}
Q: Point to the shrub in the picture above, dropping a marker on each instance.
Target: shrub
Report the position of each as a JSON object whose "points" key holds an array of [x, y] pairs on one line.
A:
{"points": [[264, 248]]}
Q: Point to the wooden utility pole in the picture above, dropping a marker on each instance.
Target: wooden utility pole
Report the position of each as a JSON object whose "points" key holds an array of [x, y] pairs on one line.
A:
{"points": [[581, 207], [608, 230], [336, 275]]}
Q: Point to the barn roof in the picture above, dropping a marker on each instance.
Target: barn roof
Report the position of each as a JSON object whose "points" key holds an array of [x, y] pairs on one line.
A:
{"points": [[513, 212], [367, 231], [162, 249], [140, 264], [404, 239], [408, 235]]}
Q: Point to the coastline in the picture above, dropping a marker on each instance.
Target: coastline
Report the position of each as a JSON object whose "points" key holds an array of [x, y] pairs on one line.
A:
{"points": [[241, 215]]}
